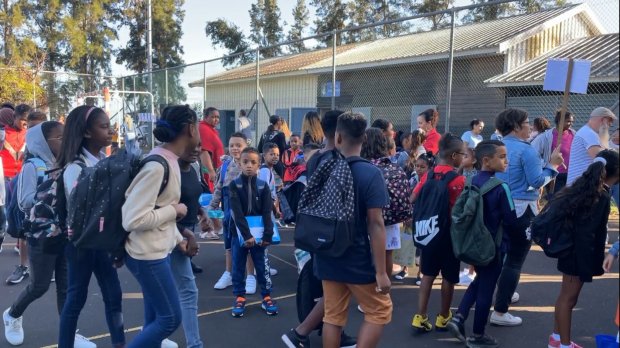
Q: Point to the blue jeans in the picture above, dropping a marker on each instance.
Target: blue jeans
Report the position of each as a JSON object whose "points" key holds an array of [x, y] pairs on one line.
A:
{"points": [[81, 264], [162, 309], [480, 292], [261, 264], [188, 293]]}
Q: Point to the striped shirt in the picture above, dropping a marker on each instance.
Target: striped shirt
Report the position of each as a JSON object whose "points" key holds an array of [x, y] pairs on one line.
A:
{"points": [[585, 138]]}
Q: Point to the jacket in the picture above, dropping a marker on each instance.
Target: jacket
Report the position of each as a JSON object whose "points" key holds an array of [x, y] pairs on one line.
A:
{"points": [[28, 180], [526, 172], [247, 201]]}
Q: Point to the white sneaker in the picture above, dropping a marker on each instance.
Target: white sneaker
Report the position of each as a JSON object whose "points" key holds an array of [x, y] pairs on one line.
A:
{"points": [[505, 320], [224, 281], [359, 309], [169, 344], [220, 231], [82, 342], [465, 279], [515, 298], [13, 331], [250, 285], [273, 271], [16, 250]]}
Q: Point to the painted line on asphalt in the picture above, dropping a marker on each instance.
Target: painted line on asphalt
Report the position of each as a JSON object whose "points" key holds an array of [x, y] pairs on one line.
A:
{"points": [[282, 260], [217, 311]]}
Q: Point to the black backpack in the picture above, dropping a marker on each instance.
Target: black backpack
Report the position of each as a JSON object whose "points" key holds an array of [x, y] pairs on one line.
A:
{"points": [[14, 215], [431, 215], [550, 232], [325, 223], [95, 213]]}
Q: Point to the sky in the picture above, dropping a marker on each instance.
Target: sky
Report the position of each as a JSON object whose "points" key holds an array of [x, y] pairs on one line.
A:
{"points": [[197, 47]]}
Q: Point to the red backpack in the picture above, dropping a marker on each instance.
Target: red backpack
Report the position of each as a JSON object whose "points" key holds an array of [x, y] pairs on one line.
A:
{"points": [[400, 208]]}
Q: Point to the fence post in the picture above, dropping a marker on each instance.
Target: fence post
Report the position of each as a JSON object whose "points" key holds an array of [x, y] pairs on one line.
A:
{"points": [[334, 70], [450, 68], [256, 123], [204, 86], [166, 85]]}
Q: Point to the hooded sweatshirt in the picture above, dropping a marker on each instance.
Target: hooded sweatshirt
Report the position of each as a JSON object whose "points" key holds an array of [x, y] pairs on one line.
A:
{"points": [[27, 183]]}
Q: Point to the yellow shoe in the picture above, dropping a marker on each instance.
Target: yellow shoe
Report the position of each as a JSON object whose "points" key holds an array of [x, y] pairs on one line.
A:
{"points": [[441, 324], [421, 324]]}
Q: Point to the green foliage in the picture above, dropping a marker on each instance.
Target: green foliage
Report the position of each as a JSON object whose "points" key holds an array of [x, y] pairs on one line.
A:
{"points": [[19, 86], [331, 15], [265, 29], [300, 18], [230, 37], [427, 6]]}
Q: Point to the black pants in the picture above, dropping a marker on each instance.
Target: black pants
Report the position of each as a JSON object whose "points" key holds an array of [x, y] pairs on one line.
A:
{"points": [[513, 261], [42, 268]]}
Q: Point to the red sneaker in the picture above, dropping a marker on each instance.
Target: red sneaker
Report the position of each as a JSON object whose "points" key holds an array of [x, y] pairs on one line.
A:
{"points": [[556, 343]]}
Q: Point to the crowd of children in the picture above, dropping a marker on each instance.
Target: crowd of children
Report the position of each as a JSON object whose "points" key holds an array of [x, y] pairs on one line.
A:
{"points": [[406, 187]]}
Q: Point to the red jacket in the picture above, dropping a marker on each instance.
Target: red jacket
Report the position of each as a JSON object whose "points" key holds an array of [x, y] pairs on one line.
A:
{"points": [[12, 151]]}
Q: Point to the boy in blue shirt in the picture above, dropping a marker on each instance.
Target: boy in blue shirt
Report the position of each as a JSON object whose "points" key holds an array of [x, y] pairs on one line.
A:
{"points": [[250, 196], [499, 212]]}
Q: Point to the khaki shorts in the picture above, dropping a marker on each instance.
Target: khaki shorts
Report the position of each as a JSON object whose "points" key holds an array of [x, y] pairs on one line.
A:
{"points": [[377, 307]]}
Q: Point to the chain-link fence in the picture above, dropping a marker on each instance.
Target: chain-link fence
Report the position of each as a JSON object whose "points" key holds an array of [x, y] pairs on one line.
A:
{"points": [[466, 62]]}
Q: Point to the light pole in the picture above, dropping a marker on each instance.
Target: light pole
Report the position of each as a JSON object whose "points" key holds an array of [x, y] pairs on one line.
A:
{"points": [[149, 44]]}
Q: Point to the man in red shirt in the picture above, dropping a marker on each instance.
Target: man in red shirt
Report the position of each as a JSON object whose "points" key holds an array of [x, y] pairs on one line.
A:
{"points": [[212, 147]]}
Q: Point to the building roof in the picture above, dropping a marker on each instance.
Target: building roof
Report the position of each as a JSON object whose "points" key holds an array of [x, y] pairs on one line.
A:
{"points": [[488, 37], [601, 50]]}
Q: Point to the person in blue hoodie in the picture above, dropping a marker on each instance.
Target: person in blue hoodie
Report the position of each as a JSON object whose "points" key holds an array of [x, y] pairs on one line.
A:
{"points": [[43, 142]]}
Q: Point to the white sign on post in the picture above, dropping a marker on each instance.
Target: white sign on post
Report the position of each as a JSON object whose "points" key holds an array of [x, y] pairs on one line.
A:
{"points": [[557, 72]]}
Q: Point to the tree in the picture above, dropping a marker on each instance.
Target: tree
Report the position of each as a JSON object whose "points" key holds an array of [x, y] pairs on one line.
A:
{"points": [[265, 27], [17, 47], [300, 17], [18, 86], [230, 37], [533, 6], [386, 10], [427, 6], [360, 12], [331, 15], [488, 12]]}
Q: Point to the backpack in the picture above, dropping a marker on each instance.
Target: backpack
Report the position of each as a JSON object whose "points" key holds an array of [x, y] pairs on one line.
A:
{"points": [[431, 216], [46, 221], [95, 213], [14, 214], [550, 232], [472, 242], [325, 223], [399, 209]]}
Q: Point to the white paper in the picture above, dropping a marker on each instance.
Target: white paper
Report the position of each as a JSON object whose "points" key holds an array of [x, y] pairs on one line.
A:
{"points": [[557, 70]]}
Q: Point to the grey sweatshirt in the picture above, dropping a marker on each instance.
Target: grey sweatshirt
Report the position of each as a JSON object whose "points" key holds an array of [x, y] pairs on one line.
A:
{"points": [[27, 183]]}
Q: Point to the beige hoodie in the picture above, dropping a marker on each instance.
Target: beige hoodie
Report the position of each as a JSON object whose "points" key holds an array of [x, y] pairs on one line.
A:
{"points": [[153, 231]]}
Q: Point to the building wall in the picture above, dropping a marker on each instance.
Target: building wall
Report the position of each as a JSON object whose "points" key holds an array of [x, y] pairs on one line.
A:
{"points": [[279, 93], [392, 92]]}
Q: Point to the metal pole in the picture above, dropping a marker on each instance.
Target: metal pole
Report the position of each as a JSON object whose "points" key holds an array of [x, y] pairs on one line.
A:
{"points": [[149, 44], [334, 70], [204, 86], [450, 68], [123, 98], [166, 84], [34, 90], [257, 95]]}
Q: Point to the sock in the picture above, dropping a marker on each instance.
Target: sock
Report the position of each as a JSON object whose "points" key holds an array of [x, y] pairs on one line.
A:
{"points": [[555, 336], [566, 346], [299, 335]]}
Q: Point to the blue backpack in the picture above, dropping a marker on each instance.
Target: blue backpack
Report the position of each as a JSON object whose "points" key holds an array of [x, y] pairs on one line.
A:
{"points": [[14, 215]]}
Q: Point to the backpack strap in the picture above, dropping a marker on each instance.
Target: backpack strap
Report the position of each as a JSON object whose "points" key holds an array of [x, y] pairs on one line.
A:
{"points": [[40, 167], [159, 159], [449, 176], [490, 185], [223, 170]]}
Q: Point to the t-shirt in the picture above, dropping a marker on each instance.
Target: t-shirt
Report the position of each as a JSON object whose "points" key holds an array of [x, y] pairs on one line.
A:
{"points": [[190, 194], [584, 139], [356, 265], [455, 187], [211, 142], [567, 141], [431, 143], [471, 139]]}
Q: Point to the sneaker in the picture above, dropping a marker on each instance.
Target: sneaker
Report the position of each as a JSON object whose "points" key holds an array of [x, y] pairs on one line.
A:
{"points": [[195, 268], [505, 320], [238, 309], [401, 275], [515, 298], [273, 271], [224, 281], [359, 309], [281, 224], [220, 232], [418, 281], [16, 248], [294, 340], [20, 273], [457, 329], [441, 323], [481, 342], [13, 331], [421, 324], [270, 307], [250, 285], [465, 279], [82, 342], [347, 341], [166, 343], [553, 343], [210, 236]]}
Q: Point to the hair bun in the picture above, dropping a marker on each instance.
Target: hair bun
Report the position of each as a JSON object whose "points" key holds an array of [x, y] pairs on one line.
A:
{"points": [[164, 134]]}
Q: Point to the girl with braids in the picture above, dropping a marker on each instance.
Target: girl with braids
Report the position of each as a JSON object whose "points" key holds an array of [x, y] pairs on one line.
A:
{"points": [[87, 133], [584, 207], [427, 123], [151, 219]]}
